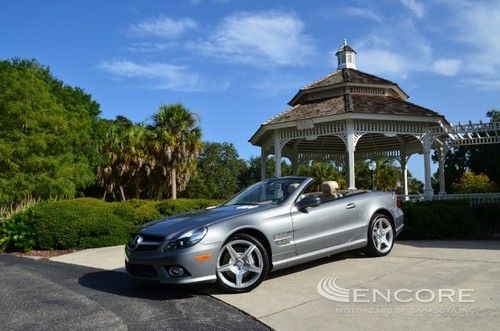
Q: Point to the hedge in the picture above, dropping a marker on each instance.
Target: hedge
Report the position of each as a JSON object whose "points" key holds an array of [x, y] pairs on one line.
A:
{"points": [[450, 220], [86, 222]]}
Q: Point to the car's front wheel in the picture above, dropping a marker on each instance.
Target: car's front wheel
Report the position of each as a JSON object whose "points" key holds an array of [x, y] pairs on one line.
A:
{"points": [[242, 264], [380, 236]]}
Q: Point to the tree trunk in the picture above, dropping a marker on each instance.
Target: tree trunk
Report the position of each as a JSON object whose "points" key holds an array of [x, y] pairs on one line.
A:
{"points": [[104, 195], [122, 193], [173, 176]]}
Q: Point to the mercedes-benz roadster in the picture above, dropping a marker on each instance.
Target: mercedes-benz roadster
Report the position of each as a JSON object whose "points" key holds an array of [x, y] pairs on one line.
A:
{"points": [[270, 225]]}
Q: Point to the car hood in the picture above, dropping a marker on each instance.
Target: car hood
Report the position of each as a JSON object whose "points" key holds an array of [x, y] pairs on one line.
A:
{"points": [[173, 225]]}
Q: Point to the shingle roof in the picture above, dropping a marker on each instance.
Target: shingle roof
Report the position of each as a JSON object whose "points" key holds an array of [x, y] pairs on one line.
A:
{"points": [[370, 104], [347, 75]]}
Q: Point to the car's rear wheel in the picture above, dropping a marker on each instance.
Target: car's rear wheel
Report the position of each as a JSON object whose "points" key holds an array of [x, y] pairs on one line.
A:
{"points": [[242, 264], [380, 236]]}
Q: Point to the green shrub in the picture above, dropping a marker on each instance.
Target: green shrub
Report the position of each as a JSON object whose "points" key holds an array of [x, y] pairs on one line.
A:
{"points": [[86, 222], [449, 220], [17, 232], [172, 207], [78, 223]]}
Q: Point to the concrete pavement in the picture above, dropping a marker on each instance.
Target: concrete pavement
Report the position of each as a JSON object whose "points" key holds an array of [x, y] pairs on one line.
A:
{"points": [[289, 298], [106, 258]]}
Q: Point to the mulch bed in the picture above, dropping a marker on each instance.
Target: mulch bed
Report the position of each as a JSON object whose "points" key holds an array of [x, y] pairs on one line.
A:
{"points": [[45, 254]]}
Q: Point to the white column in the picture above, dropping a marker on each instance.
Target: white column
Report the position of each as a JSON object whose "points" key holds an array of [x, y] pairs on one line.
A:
{"points": [[441, 155], [277, 156], [351, 147], [263, 163], [295, 159], [404, 168], [427, 142]]}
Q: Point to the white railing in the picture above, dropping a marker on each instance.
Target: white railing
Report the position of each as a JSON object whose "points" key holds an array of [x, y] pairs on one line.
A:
{"points": [[473, 198]]}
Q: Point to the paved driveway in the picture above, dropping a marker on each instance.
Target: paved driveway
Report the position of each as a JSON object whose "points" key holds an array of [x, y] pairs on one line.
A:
{"points": [[68, 295], [290, 300], [46, 295]]}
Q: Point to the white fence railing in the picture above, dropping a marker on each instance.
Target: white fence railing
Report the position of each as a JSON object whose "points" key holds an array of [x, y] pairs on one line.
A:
{"points": [[473, 198]]}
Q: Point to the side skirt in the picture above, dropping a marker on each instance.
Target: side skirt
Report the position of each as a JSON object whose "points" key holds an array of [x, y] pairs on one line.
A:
{"points": [[298, 259]]}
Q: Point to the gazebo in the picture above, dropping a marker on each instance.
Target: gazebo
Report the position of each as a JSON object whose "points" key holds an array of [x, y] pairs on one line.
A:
{"points": [[351, 115]]}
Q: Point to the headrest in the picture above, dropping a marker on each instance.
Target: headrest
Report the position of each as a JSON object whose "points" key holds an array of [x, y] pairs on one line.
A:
{"points": [[329, 187], [292, 187]]}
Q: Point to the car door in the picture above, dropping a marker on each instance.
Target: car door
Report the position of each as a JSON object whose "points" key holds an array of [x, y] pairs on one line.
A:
{"points": [[329, 224]]}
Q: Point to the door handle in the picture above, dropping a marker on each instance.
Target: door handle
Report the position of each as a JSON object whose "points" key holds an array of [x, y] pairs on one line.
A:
{"points": [[350, 206]]}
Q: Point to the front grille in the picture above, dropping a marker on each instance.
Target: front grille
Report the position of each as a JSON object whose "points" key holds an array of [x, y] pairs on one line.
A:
{"points": [[148, 242], [142, 247], [150, 237], [141, 270]]}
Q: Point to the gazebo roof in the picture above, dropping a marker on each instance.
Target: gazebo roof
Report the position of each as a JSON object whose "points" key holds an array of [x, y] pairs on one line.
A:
{"points": [[347, 77], [357, 103], [347, 94]]}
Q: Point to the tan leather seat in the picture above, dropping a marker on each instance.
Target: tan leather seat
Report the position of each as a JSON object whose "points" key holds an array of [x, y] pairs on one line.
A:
{"points": [[329, 191]]}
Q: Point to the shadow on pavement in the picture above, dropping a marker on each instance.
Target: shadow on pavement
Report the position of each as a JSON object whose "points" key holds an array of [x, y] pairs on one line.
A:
{"points": [[457, 244], [119, 283]]}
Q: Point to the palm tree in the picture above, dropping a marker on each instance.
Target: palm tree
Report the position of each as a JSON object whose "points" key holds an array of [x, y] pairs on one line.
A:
{"points": [[137, 157], [178, 143], [110, 174]]}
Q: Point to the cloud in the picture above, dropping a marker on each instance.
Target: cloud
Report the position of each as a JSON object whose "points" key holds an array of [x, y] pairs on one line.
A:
{"points": [[163, 27], [478, 26], [160, 75], [383, 61], [363, 13], [259, 39], [150, 47], [483, 84], [447, 67], [416, 7]]}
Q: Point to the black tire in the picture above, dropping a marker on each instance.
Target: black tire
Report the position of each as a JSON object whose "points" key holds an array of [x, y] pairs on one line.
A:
{"points": [[372, 249], [223, 277]]}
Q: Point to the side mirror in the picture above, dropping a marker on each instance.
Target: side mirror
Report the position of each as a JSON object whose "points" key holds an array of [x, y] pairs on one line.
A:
{"points": [[308, 201]]}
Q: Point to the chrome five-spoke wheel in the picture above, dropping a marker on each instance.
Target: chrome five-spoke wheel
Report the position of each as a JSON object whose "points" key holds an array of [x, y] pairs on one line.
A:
{"points": [[241, 264], [381, 236]]}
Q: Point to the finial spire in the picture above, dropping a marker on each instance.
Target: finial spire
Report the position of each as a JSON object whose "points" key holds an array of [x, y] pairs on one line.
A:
{"points": [[345, 41]]}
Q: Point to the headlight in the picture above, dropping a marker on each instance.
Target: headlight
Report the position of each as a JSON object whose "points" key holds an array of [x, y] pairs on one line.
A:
{"points": [[187, 239]]}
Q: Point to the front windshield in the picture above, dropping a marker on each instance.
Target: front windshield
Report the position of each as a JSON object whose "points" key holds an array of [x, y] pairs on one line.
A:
{"points": [[271, 191]]}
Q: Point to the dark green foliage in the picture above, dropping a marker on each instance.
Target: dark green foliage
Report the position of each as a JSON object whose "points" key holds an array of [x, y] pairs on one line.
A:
{"points": [[478, 158], [172, 207], [46, 136], [217, 173], [450, 220], [16, 232], [87, 222], [79, 223]]}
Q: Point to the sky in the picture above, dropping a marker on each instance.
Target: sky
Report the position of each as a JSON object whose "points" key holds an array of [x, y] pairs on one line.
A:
{"points": [[237, 63]]}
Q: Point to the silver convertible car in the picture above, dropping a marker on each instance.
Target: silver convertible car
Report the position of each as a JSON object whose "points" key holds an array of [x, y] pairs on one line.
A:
{"points": [[273, 224]]}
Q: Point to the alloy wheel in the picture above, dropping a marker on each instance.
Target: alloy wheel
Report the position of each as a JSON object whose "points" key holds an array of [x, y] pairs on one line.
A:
{"points": [[240, 264], [382, 235]]}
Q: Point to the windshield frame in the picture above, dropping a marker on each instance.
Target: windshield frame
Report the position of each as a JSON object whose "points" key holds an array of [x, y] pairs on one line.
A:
{"points": [[302, 181]]}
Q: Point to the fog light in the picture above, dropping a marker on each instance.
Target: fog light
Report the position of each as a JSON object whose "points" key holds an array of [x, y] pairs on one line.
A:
{"points": [[176, 271]]}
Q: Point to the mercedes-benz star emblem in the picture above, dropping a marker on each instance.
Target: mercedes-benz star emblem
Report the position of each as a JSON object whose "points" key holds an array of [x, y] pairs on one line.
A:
{"points": [[134, 243]]}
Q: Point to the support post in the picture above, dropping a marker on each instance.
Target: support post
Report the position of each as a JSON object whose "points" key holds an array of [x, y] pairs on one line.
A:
{"points": [[277, 155], [441, 156], [263, 163], [351, 147], [427, 143], [403, 161], [295, 158]]}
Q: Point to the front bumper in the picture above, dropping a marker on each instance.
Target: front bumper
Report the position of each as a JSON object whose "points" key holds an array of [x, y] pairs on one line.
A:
{"points": [[153, 265]]}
